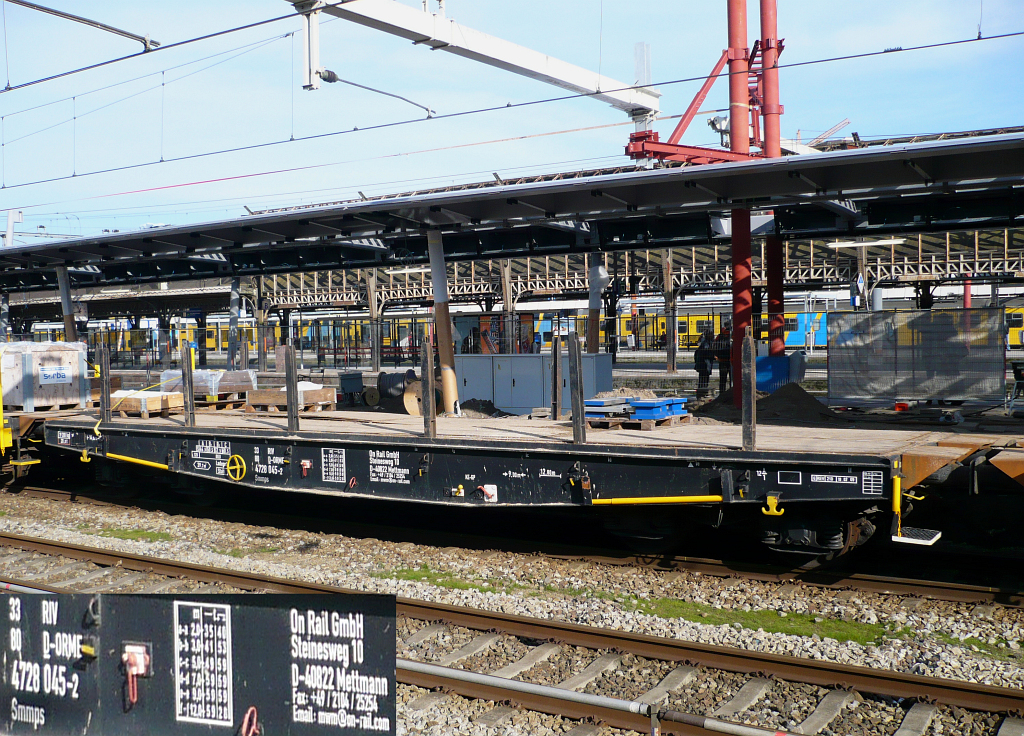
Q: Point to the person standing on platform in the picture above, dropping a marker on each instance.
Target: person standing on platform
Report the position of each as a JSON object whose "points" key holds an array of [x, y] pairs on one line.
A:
{"points": [[703, 362], [723, 354]]}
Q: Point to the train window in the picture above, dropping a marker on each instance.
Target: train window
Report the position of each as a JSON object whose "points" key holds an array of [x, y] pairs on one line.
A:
{"points": [[684, 326], [1015, 319], [704, 324], [816, 324], [790, 324]]}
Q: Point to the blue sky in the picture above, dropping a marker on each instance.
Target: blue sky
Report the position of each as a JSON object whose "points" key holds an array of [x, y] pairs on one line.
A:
{"points": [[244, 89]]}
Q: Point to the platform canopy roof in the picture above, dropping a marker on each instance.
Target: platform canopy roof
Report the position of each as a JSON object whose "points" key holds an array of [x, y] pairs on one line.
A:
{"points": [[919, 187]]}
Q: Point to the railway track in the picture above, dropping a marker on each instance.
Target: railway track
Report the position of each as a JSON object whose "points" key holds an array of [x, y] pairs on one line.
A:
{"points": [[838, 577], [502, 657]]}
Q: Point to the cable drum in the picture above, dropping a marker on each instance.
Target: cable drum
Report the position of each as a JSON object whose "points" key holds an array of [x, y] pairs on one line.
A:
{"points": [[392, 385]]}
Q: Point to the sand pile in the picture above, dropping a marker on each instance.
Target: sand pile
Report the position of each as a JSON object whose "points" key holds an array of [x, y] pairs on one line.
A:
{"points": [[634, 393], [791, 404], [482, 409]]}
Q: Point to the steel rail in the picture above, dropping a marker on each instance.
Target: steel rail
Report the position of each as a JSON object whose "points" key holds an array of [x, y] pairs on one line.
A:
{"points": [[539, 702], [827, 577], [633, 715], [824, 577], [827, 674]]}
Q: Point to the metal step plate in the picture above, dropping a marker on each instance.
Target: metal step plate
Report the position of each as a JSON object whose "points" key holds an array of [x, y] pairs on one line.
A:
{"points": [[912, 535]]}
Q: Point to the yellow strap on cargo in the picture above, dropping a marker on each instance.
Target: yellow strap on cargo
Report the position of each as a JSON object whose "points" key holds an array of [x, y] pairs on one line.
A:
{"points": [[96, 429], [655, 499]]}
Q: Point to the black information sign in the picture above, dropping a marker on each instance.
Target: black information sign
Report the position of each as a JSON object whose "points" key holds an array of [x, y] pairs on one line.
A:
{"points": [[203, 664]]}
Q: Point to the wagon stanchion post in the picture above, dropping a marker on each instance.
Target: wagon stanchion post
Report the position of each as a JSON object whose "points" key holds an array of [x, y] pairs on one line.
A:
{"points": [[427, 390], [104, 358], [748, 385], [244, 348], [579, 422], [291, 379], [556, 377], [261, 348], [187, 390]]}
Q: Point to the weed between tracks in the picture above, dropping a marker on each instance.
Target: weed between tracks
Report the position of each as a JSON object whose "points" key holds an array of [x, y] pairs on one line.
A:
{"points": [[797, 624], [423, 574], [131, 535], [767, 620], [135, 535], [982, 647]]}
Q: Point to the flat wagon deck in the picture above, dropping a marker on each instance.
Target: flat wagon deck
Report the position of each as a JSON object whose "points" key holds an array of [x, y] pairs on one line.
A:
{"points": [[799, 484]]}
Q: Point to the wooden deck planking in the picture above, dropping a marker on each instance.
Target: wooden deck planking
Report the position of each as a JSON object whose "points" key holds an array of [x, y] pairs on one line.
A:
{"points": [[864, 440]]}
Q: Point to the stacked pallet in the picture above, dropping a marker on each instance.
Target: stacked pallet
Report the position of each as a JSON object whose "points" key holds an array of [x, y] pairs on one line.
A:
{"points": [[631, 413], [146, 404], [312, 397]]}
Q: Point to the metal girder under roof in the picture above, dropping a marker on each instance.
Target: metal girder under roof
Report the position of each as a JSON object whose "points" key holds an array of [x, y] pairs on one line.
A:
{"points": [[922, 187]]}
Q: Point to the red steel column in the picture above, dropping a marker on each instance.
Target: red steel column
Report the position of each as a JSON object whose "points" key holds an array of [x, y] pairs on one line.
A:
{"points": [[967, 293], [771, 110], [739, 141], [770, 107]]}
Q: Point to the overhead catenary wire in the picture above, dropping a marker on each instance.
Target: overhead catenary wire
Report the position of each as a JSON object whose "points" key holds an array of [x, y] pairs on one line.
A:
{"points": [[178, 44], [246, 49], [430, 112], [7, 55], [176, 207], [308, 167], [171, 68], [482, 110], [150, 52]]}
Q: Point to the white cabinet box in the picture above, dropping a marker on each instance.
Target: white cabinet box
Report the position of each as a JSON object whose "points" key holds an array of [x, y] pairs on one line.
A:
{"points": [[520, 383], [43, 375]]}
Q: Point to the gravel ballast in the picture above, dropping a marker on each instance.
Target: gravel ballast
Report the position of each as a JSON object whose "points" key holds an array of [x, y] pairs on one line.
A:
{"points": [[926, 637]]}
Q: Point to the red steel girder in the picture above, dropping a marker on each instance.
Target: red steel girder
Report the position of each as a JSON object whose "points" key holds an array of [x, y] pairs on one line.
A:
{"points": [[645, 144]]}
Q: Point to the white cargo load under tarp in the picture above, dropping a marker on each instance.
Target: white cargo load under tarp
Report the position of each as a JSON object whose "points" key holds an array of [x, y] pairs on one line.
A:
{"points": [[44, 375], [211, 383]]}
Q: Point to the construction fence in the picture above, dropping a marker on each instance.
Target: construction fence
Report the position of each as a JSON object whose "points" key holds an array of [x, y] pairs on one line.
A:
{"points": [[941, 354]]}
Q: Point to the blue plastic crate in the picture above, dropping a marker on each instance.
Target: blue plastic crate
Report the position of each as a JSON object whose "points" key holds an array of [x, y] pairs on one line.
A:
{"points": [[660, 412], [650, 403]]}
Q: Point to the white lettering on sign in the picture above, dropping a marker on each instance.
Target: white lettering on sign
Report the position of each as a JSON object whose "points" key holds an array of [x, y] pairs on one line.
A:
{"points": [[202, 664], [54, 374], [328, 688], [332, 465], [34, 715], [211, 453], [265, 466], [64, 438], [851, 479], [34, 678], [385, 468]]}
